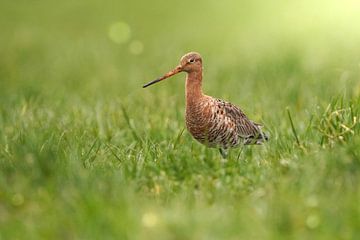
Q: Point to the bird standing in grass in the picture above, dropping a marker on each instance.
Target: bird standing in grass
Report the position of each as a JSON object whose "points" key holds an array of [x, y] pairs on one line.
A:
{"points": [[211, 121]]}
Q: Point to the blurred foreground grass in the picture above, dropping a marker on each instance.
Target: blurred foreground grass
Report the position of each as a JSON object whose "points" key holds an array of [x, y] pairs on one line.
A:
{"points": [[86, 153]]}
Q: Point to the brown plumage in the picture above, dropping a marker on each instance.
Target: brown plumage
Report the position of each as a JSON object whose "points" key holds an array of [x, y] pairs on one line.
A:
{"points": [[213, 122]]}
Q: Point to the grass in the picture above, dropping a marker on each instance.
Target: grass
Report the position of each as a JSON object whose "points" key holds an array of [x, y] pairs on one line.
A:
{"points": [[86, 153]]}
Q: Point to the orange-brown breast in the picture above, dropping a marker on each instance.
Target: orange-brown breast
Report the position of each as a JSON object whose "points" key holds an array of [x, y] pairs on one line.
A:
{"points": [[198, 113]]}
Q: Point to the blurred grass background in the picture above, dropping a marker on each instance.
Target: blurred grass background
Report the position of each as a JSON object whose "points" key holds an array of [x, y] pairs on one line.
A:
{"points": [[86, 153]]}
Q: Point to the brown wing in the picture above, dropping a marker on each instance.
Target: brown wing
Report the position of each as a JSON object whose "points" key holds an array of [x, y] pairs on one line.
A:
{"points": [[246, 129]]}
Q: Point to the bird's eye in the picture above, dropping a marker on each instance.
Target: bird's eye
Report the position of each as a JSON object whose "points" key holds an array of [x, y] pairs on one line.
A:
{"points": [[192, 60]]}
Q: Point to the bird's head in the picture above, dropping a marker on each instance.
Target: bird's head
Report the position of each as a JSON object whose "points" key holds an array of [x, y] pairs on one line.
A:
{"points": [[190, 62]]}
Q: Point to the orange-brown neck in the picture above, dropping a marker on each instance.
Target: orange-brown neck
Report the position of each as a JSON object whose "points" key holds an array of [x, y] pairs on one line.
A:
{"points": [[193, 87]]}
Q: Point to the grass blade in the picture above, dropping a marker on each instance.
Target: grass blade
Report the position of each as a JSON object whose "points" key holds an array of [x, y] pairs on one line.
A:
{"points": [[293, 127], [127, 119]]}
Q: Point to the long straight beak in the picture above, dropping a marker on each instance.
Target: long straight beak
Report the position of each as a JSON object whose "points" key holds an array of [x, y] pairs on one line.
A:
{"points": [[169, 74]]}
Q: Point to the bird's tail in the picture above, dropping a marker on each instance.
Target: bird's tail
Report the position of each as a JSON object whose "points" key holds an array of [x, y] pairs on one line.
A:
{"points": [[262, 135], [258, 139]]}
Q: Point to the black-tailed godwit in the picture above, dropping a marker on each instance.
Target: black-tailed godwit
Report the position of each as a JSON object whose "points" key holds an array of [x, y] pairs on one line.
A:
{"points": [[211, 121]]}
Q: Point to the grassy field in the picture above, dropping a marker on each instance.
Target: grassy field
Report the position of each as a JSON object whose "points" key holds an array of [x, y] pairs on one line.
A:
{"points": [[86, 153]]}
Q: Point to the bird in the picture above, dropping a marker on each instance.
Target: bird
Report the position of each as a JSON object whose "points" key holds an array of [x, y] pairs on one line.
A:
{"points": [[213, 122]]}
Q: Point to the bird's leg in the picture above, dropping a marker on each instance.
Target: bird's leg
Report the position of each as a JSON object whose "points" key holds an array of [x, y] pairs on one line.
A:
{"points": [[223, 153]]}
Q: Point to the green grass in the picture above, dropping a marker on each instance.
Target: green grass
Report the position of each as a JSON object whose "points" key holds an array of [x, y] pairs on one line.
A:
{"points": [[86, 153]]}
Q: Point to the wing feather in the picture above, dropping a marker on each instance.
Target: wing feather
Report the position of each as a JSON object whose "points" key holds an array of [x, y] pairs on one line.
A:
{"points": [[246, 129]]}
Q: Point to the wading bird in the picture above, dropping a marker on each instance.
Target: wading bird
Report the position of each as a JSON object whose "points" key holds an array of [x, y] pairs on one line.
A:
{"points": [[211, 121]]}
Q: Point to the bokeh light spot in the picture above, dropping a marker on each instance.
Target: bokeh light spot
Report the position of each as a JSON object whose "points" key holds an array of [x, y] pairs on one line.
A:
{"points": [[17, 199], [149, 220], [136, 47], [312, 202], [312, 221], [119, 32]]}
